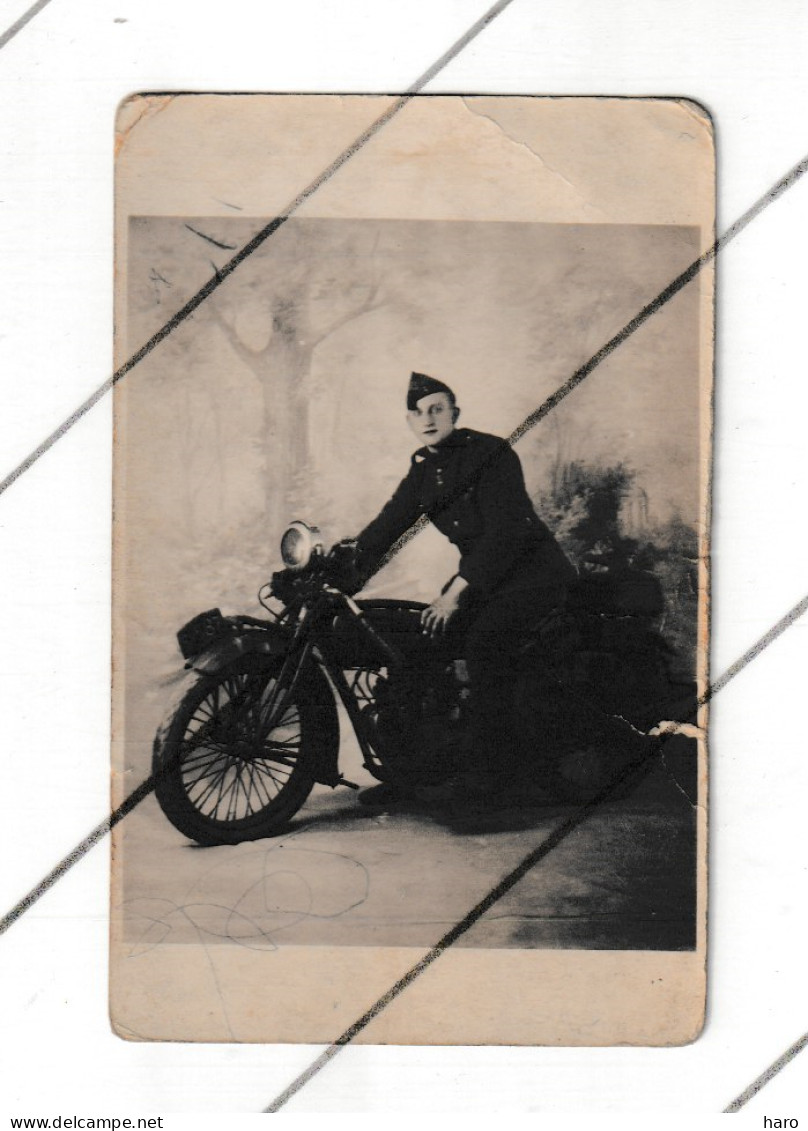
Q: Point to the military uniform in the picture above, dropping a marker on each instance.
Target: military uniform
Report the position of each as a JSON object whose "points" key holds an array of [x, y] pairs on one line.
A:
{"points": [[472, 488]]}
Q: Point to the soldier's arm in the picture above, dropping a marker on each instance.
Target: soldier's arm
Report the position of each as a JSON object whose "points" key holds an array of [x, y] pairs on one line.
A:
{"points": [[397, 515]]}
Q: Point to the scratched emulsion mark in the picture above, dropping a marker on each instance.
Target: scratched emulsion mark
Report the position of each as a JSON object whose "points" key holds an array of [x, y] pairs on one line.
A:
{"points": [[270, 890]]}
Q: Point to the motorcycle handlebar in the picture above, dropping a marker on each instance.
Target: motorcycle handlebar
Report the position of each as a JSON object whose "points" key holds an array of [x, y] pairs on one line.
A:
{"points": [[342, 564], [338, 568]]}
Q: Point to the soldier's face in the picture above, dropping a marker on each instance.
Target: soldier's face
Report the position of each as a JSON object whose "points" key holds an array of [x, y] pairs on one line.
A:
{"points": [[433, 418]]}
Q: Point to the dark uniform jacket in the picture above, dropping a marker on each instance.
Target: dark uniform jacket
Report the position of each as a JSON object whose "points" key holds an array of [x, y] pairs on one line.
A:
{"points": [[472, 488]]}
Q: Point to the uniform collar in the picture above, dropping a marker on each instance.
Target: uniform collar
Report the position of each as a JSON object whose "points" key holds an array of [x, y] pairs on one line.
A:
{"points": [[457, 438]]}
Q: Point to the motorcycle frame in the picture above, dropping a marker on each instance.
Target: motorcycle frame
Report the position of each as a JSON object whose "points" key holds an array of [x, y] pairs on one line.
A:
{"points": [[336, 674], [306, 645]]}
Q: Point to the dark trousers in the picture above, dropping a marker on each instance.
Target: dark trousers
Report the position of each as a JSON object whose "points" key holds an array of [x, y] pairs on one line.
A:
{"points": [[496, 632]]}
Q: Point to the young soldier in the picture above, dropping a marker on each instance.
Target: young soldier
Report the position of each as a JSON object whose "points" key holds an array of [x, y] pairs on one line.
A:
{"points": [[511, 573]]}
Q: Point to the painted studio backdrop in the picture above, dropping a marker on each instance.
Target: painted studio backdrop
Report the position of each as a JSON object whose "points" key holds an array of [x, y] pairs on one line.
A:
{"points": [[283, 397]]}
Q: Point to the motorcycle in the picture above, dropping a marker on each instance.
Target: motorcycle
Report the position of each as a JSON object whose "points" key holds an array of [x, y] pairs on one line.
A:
{"points": [[240, 753]]}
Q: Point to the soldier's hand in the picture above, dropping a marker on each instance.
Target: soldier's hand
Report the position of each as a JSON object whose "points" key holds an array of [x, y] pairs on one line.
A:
{"points": [[436, 616]]}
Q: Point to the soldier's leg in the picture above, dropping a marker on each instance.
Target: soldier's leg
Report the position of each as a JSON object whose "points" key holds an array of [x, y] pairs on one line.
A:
{"points": [[496, 661]]}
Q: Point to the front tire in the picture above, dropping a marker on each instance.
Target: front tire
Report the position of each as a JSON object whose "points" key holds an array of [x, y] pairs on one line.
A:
{"points": [[225, 771]]}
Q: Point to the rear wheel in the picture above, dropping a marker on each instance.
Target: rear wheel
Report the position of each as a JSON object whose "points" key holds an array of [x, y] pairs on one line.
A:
{"points": [[573, 748], [236, 761], [608, 763]]}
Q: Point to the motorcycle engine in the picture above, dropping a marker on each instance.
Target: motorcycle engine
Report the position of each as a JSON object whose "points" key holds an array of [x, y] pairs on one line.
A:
{"points": [[416, 723]]}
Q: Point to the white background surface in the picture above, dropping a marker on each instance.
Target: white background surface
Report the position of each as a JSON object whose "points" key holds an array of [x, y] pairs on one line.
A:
{"points": [[60, 81]]}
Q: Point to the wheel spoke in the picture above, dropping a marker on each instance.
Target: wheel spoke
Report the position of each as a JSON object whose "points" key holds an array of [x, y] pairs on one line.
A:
{"points": [[213, 795], [259, 785], [205, 709], [269, 783], [292, 741], [248, 786], [233, 685], [200, 801], [289, 718], [248, 776], [281, 757], [201, 798], [191, 743], [240, 755], [275, 772], [219, 790], [282, 763], [238, 789], [202, 772], [231, 795], [271, 773], [199, 742], [227, 790], [205, 755]]}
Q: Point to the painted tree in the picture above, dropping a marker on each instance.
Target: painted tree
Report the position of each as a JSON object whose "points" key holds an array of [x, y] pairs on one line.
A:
{"points": [[276, 314]]}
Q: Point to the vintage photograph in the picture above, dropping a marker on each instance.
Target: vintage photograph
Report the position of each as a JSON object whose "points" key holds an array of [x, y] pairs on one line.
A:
{"points": [[390, 612]]}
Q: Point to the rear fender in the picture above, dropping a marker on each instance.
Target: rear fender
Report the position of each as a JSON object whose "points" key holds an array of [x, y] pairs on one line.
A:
{"points": [[267, 639]]}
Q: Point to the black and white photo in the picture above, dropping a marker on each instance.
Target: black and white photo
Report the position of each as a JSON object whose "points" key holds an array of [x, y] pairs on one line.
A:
{"points": [[426, 614]]}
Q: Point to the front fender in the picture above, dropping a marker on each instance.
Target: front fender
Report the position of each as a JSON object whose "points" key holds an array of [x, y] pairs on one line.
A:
{"points": [[239, 636], [248, 636]]}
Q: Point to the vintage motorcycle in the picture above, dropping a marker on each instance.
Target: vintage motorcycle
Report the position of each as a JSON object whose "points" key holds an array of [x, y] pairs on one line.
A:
{"points": [[242, 750]]}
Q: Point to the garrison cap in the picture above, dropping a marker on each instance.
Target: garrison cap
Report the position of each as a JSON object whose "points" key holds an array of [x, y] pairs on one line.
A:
{"points": [[423, 386]]}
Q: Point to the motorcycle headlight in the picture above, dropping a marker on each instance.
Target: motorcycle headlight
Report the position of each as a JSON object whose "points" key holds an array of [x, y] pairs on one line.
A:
{"points": [[299, 544]]}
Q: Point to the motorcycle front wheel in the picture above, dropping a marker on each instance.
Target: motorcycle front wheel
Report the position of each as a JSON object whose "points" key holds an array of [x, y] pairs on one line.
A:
{"points": [[235, 762]]}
